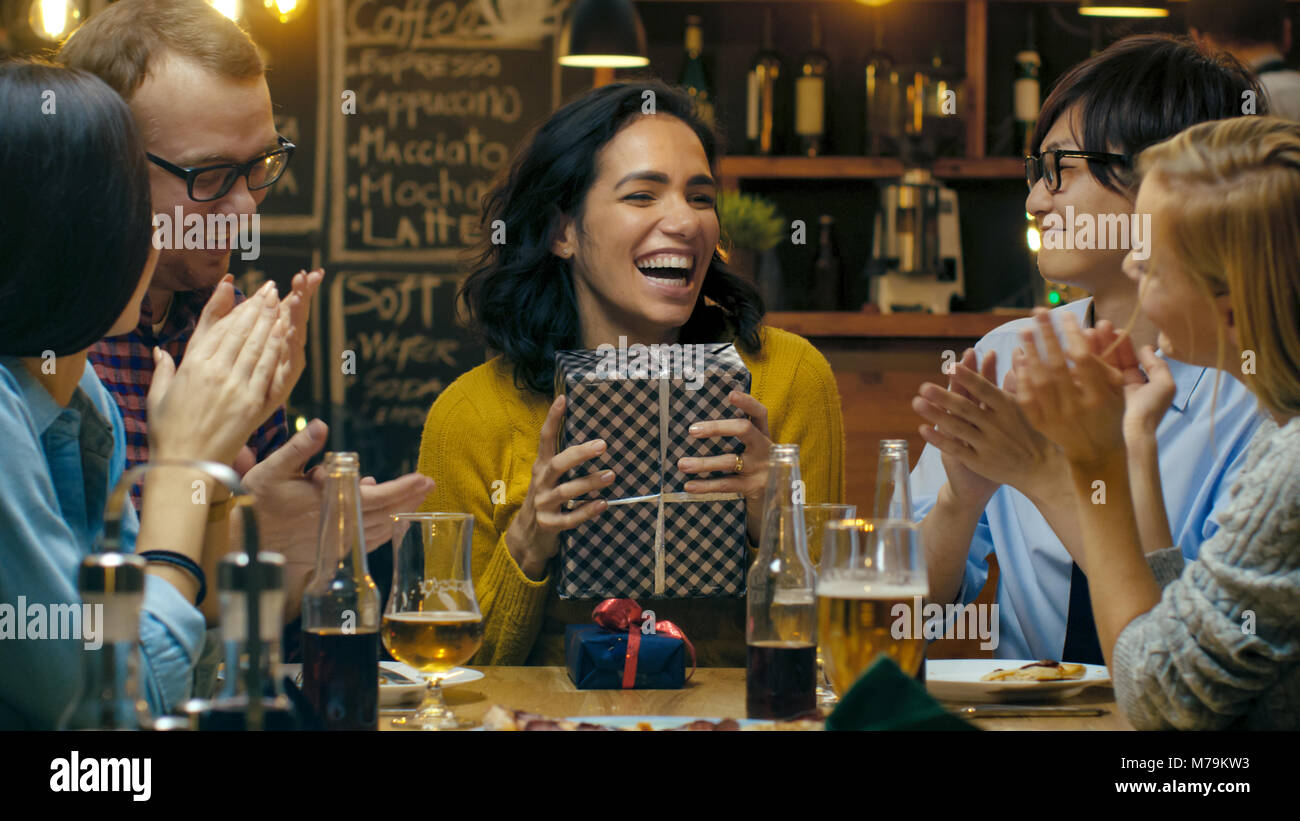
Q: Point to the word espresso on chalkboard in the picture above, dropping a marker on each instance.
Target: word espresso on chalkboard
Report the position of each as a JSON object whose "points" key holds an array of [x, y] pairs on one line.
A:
{"points": [[441, 94]]}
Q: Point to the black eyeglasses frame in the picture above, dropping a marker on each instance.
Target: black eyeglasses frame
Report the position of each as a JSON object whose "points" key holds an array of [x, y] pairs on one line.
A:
{"points": [[239, 170], [1047, 166]]}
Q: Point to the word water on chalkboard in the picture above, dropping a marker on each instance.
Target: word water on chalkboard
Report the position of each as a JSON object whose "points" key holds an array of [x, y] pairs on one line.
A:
{"points": [[435, 98], [396, 345]]}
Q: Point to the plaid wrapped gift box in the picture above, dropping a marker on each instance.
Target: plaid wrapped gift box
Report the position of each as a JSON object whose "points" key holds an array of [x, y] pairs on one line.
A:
{"points": [[655, 540]]}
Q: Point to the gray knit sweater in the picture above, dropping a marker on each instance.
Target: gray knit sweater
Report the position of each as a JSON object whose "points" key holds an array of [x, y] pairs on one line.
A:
{"points": [[1222, 648]]}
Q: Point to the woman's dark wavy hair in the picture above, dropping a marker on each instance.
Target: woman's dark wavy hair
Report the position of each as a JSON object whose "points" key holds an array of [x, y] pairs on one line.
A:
{"points": [[1143, 90], [75, 215], [520, 296]]}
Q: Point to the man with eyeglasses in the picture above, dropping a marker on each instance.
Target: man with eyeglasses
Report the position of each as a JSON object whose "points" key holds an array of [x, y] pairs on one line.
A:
{"points": [[987, 482], [195, 83]]}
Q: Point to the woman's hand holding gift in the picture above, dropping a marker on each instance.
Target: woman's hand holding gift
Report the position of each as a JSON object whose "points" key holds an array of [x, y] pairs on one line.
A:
{"points": [[749, 468]]}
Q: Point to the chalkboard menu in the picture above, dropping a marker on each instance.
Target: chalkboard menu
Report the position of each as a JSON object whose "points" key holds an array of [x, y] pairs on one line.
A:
{"points": [[294, 53], [432, 99], [395, 346]]}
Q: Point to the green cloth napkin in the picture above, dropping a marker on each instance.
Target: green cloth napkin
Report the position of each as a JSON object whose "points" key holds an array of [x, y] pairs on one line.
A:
{"points": [[885, 698]]}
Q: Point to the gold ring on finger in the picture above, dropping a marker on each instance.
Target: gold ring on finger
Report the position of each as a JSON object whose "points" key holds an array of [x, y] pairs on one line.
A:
{"points": [[740, 463]]}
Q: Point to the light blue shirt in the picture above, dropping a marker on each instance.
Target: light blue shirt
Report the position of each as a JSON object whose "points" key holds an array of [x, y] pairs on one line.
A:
{"points": [[1196, 473], [59, 465]]}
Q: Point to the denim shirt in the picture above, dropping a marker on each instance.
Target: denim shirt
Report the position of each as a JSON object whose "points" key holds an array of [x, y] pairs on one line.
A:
{"points": [[59, 464]]}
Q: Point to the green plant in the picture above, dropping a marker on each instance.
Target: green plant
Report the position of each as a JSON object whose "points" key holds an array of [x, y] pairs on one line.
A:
{"points": [[749, 221]]}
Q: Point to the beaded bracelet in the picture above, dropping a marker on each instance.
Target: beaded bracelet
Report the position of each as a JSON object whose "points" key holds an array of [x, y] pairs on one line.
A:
{"points": [[185, 563]]}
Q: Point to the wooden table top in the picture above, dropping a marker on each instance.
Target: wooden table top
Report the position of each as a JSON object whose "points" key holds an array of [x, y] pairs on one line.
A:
{"points": [[713, 692]]}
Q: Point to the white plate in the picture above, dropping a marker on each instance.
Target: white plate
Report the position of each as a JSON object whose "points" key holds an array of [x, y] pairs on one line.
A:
{"points": [[655, 722], [392, 693], [959, 680]]}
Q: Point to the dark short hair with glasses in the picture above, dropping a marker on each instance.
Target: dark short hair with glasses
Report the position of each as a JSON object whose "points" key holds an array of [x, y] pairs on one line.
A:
{"points": [[1140, 91], [211, 182], [75, 214]]}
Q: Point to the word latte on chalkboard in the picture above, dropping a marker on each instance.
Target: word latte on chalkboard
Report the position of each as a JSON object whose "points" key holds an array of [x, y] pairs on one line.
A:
{"points": [[435, 98]]}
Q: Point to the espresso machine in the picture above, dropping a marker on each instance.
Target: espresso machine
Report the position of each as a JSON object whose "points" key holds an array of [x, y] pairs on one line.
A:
{"points": [[916, 260]]}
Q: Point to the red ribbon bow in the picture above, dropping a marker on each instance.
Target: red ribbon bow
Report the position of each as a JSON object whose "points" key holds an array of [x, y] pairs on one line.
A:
{"points": [[626, 614]]}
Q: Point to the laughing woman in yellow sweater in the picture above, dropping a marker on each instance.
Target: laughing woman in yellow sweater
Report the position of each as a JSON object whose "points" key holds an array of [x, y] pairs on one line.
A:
{"points": [[610, 231]]}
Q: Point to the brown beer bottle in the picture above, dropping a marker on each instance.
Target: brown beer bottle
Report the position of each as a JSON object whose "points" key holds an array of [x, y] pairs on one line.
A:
{"points": [[781, 623], [340, 610]]}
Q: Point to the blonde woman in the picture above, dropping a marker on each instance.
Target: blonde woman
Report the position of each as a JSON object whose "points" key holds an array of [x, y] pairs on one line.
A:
{"points": [[1214, 643]]}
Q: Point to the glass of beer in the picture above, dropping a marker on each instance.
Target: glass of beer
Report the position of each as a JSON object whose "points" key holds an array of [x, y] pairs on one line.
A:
{"points": [[870, 590], [432, 622], [815, 519]]}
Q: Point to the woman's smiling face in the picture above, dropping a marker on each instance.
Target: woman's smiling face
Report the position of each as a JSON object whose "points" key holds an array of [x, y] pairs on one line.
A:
{"points": [[1190, 323], [647, 233]]}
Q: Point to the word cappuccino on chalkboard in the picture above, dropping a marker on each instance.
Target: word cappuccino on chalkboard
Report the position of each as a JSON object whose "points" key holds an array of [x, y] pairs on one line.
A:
{"points": [[442, 93], [191, 232]]}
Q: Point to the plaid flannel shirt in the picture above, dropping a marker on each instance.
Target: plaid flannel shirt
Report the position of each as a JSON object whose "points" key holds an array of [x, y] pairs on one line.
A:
{"points": [[125, 366]]}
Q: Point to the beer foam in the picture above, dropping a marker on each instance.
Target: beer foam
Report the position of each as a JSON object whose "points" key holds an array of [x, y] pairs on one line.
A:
{"points": [[857, 589]]}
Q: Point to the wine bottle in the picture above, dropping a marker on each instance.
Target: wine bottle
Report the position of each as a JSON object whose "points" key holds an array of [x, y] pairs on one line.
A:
{"points": [[694, 78], [1026, 100], [884, 98], [761, 94], [811, 87], [827, 273]]}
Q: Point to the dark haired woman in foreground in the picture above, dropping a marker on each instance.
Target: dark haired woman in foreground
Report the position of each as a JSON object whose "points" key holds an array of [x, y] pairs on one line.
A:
{"points": [[611, 231], [75, 262]]}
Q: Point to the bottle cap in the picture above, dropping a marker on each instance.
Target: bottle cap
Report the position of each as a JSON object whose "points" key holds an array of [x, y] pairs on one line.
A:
{"points": [[235, 571], [109, 573]]}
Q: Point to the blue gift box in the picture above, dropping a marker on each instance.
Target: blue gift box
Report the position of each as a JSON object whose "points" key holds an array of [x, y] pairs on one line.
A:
{"points": [[595, 657]]}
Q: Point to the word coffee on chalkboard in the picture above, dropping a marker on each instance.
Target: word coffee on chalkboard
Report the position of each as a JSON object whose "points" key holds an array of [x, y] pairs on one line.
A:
{"points": [[394, 346], [435, 97]]}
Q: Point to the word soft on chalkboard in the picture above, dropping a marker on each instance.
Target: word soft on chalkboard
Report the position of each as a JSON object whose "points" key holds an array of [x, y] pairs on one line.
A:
{"points": [[396, 345], [434, 98]]}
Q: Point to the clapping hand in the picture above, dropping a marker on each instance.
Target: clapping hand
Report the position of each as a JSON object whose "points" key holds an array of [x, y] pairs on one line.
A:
{"points": [[1080, 408]]}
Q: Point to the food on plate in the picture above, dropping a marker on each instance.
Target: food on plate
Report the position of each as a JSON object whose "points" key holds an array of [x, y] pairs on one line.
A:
{"points": [[1037, 671], [503, 718]]}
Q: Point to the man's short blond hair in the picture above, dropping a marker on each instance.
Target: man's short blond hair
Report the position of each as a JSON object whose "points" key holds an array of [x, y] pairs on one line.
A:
{"points": [[121, 43]]}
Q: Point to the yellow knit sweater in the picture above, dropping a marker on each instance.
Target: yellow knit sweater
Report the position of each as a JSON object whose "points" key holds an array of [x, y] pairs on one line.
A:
{"points": [[479, 445]]}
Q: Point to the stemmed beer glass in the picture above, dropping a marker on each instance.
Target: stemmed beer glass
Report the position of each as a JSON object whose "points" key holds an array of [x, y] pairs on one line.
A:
{"points": [[432, 622]]}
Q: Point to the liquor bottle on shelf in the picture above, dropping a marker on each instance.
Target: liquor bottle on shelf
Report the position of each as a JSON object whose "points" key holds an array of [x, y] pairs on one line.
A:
{"points": [[108, 696], [943, 106], [1026, 100], [781, 622], [884, 98], [232, 709], [340, 610], [762, 87], [828, 275], [811, 89], [694, 78]]}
